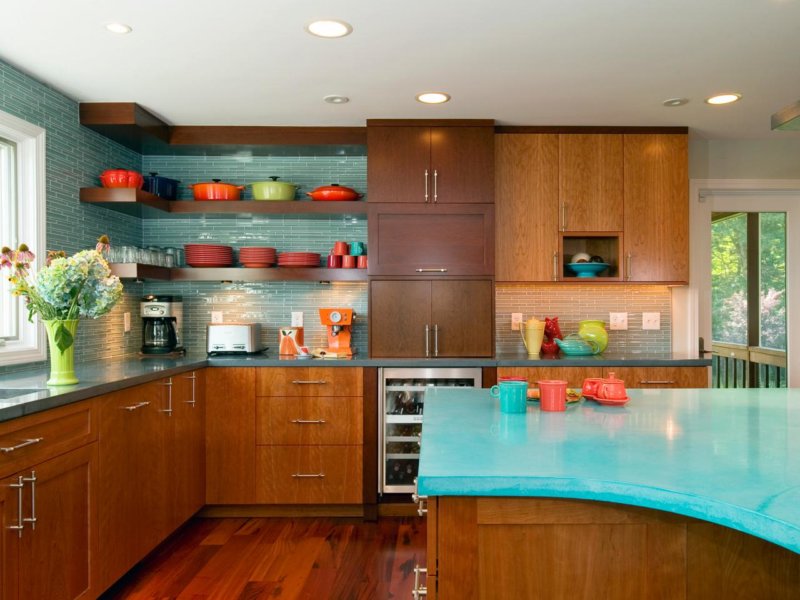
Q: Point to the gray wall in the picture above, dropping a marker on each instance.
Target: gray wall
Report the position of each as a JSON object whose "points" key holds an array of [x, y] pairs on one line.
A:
{"points": [[746, 159]]}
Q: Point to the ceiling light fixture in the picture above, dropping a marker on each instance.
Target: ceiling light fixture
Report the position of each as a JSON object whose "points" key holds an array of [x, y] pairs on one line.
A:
{"points": [[723, 98], [329, 28], [336, 99], [676, 102], [433, 97], [120, 28], [787, 118]]}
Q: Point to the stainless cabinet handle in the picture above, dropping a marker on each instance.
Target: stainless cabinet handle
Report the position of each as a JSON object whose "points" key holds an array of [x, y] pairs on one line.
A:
{"points": [[427, 340], [168, 410], [136, 406], [555, 266], [419, 590], [419, 500], [308, 475], [20, 523], [436, 340], [308, 421], [628, 267], [191, 402], [563, 216], [431, 270], [22, 444], [309, 381], [426, 186], [656, 382], [32, 518], [435, 186]]}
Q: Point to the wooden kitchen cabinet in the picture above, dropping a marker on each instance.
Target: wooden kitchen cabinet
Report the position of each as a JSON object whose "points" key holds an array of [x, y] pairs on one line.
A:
{"points": [[656, 228], [661, 377], [441, 318], [574, 376], [430, 162], [426, 239], [187, 440]]}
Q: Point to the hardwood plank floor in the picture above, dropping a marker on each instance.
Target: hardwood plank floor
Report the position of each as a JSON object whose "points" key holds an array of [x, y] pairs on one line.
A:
{"points": [[280, 558]]}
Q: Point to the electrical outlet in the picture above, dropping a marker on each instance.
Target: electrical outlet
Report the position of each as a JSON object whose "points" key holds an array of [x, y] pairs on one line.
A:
{"points": [[297, 319], [651, 320], [618, 321], [126, 322], [216, 316], [516, 319]]}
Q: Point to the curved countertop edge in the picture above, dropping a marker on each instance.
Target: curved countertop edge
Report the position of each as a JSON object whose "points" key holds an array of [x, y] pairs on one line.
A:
{"points": [[703, 508]]}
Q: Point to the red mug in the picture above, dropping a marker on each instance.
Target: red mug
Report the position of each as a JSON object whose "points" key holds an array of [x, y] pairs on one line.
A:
{"points": [[553, 395], [348, 262], [341, 248], [334, 261], [591, 385], [361, 261]]}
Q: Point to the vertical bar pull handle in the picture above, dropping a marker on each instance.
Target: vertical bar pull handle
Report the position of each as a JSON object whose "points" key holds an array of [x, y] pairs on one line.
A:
{"points": [[20, 522], [436, 340], [435, 186], [426, 186], [563, 216], [168, 410], [628, 267], [427, 340], [193, 377], [32, 518], [555, 266]]}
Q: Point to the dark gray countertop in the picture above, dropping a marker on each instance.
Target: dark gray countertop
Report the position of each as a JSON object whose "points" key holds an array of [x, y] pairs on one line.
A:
{"points": [[102, 377]]}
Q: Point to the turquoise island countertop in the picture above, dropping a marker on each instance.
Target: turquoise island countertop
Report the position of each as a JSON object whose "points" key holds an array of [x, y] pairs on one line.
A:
{"points": [[730, 457]]}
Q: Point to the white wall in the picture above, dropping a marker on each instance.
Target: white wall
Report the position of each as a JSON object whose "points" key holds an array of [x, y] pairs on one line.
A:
{"points": [[745, 159]]}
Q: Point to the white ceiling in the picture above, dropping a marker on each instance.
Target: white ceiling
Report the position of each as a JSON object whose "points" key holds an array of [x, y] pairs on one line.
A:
{"points": [[521, 62]]}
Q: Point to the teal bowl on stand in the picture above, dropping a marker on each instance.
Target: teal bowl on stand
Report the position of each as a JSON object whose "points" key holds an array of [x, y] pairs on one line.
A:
{"points": [[587, 269]]}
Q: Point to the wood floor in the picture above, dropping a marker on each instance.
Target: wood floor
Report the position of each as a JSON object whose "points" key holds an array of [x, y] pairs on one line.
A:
{"points": [[281, 558]]}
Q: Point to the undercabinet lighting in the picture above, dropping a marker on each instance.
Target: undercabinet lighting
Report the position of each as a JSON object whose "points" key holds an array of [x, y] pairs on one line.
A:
{"points": [[676, 102], [723, 98], [329, 28], [336, 99], [120, 28], [433, 97]]}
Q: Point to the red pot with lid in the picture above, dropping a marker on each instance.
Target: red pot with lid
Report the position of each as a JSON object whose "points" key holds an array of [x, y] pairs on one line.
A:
{"points": [[216, 190], [121, 178], [334, 192]]}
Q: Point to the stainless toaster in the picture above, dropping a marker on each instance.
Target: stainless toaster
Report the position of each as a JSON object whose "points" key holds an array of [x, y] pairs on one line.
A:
{"points": [[234, 338]]}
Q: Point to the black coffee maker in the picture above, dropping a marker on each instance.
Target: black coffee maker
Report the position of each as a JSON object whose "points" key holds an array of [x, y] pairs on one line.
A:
{"points": [[161, 324]]}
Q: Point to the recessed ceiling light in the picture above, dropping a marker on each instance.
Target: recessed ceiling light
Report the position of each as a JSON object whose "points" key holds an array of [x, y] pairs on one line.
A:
{"points": [[336, 99], [676, 102], [433, 97], [119, 28], [723, 98], [329, 28]]}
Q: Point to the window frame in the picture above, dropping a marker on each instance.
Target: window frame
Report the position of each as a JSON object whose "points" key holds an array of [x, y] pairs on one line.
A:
{"points": [[31, 225]]}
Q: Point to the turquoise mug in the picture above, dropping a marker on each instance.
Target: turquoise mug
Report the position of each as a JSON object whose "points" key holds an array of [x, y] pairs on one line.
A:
{"points": [[357, 248], [513, 396]]}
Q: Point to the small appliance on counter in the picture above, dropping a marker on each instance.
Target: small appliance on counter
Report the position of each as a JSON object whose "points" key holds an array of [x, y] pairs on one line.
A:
{"points": [[339, 322], [161, 324], [234, 338]]}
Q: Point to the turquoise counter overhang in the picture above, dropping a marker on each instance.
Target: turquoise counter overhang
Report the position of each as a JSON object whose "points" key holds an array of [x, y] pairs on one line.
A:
{"points": [[730, 457]]}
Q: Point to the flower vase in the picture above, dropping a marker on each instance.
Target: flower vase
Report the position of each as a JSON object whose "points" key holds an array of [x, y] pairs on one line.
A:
{"points": [[61, 337]]}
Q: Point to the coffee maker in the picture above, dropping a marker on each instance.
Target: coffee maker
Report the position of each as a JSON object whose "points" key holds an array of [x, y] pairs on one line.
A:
{"points": [[339, 321], [161, 324]]}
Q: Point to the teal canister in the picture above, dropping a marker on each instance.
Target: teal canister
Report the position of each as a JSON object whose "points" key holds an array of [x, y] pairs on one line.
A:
{"points": [[594, 331]]}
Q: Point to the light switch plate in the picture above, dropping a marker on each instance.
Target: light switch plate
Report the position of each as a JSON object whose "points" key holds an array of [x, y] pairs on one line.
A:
{"points": [[297, 319], [618, 321], [651, 320], [516, 319], [216, 316], [126, 322]]}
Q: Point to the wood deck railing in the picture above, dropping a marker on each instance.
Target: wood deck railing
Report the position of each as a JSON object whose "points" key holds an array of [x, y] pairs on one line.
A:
{"points": [[740, 366]]}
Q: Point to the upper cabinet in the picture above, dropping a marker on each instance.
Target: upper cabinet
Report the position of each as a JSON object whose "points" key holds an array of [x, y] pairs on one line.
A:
{"points": [[656, 208], [425, 162]]}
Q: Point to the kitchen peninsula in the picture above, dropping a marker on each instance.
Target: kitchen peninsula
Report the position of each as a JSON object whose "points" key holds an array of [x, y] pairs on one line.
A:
{"points": [[679, 494]]}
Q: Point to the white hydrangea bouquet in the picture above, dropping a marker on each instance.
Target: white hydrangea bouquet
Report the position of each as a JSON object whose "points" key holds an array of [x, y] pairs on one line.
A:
{"points": [[64, 290]]}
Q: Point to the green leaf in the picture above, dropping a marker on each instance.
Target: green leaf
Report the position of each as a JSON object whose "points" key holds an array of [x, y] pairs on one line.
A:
{"points": [[63, 338]]}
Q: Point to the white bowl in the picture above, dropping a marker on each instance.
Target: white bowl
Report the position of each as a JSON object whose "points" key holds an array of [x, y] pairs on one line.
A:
{"points": [[581, 257]]}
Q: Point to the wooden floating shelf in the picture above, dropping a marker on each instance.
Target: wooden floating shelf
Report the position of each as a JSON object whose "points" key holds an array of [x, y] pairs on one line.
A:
{"points": [[138, 203], [153, 273]]}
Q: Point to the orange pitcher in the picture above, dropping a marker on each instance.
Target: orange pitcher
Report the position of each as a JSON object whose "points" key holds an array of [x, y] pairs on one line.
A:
{"points": [[532, 332]]}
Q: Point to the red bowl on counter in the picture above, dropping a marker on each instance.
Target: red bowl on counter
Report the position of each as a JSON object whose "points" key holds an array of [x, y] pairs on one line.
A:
{"points": [[121, 178], [216, 190]]}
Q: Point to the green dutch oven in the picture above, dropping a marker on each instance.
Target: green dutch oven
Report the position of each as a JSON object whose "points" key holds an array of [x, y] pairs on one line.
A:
{"points": [[273, 190]]}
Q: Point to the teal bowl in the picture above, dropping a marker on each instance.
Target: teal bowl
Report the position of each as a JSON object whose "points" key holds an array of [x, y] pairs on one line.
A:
{"points": [[587, 269]]}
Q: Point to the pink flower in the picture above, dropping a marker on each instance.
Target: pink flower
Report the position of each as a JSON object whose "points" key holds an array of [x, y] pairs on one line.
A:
{"points": [[24, 255], [5, 257], [103, 244]]}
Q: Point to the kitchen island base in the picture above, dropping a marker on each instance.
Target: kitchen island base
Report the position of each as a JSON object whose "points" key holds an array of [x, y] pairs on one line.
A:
{"points": [[501, 547]]}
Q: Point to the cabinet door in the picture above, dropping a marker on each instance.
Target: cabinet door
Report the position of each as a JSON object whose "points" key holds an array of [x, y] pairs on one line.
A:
{"points": [[55, 558], [399, 158], [10, 505], [661, 377], [131, 491], [424, 239], [462, 163], [399, 313], [656, 207], [462, 317], [526, 200], [574, 376], [187, 447], [590, 182], [230, 435]]}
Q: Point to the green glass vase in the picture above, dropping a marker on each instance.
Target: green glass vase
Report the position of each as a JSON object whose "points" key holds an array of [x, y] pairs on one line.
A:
{"points": [[61, 337]]}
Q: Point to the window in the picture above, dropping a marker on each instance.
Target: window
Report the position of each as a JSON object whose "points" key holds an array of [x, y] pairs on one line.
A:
{"points": [[22, 219]]}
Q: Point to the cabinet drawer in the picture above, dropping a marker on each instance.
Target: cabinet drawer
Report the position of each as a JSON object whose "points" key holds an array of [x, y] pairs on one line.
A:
{"points": [[661, 377], [308, 474], [308, 381], [55, 432], [296, 421]]}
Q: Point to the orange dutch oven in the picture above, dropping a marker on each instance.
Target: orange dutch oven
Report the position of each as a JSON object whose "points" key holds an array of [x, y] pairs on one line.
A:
{"points": [[215, 190], [121, 178], [334, 192]]}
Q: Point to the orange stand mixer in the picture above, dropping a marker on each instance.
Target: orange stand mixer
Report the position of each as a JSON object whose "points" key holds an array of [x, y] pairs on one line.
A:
{"points": [[339, 322]]}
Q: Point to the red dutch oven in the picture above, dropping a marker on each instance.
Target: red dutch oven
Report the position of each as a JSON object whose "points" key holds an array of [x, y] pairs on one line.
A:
{"points": [[121, 178], [215, 190], [334, 192]]}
